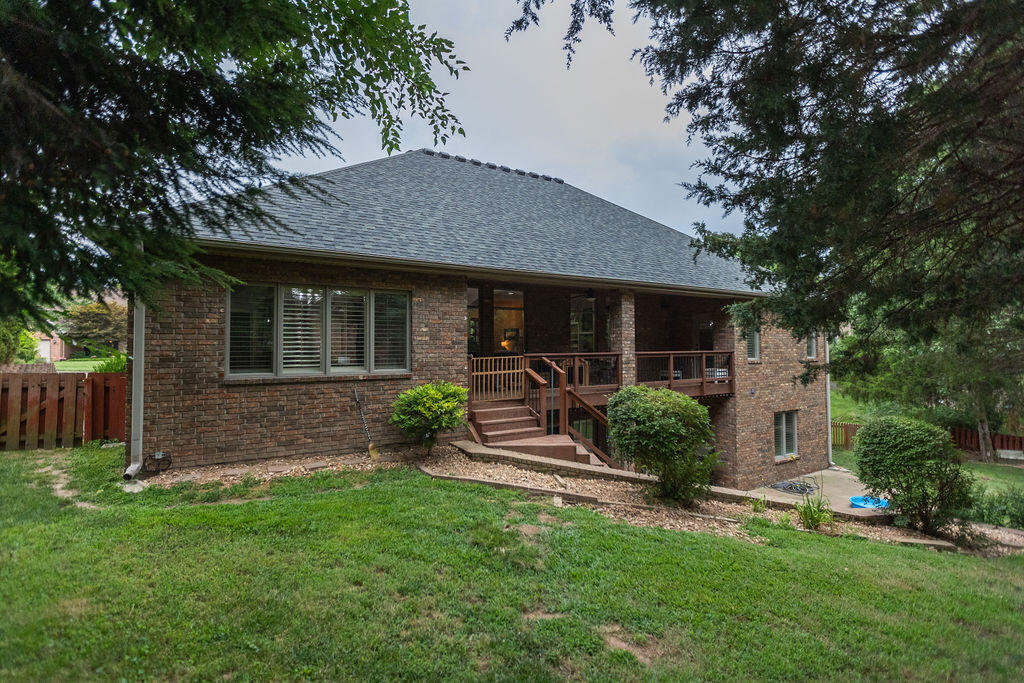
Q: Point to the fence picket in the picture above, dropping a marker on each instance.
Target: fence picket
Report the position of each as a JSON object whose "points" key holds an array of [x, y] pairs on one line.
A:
{"points": [[54, 410]]}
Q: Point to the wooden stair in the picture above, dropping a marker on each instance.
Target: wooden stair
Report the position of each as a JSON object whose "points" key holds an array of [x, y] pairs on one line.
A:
{"points": [[511, 425]]}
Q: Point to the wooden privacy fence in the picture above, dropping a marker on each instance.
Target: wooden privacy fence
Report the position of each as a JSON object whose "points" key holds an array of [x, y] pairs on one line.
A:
{"points": [[59, 410], [843, 434]]}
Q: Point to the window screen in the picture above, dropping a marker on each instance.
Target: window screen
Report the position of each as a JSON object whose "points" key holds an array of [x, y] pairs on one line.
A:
{"points": [[302, 329], [390, 331], [348, 330], [251, 330]]}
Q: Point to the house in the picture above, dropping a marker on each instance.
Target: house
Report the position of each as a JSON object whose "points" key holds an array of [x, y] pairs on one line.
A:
{"points": [[425, 266]]}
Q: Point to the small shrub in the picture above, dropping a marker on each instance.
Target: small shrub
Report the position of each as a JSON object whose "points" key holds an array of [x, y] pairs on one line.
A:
{"points": [[116, 363], [759, 505], [814, 512], [429, 409], [915, 466], [1001, 508], [665, 433]]}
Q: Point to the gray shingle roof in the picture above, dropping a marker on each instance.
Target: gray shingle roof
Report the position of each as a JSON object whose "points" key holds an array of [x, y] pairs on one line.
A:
{"points": [[431, 207]]}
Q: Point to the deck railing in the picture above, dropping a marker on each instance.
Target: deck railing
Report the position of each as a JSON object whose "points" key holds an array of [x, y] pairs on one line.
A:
{"points": [[697, 373], [587, 371], [496, 378]]}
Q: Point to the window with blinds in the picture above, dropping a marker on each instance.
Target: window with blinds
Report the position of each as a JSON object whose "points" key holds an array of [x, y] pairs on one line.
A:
{"points": [[320, 330], [251, 330], [348, 330], [785, 434], [390, 331], [302, 329], [753, 345]]}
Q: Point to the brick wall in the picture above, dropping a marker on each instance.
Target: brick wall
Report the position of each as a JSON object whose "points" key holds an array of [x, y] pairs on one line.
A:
{"points": [[197, 416], [762, 389]]}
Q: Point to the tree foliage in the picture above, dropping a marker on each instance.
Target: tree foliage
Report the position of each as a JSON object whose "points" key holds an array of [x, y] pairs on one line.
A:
{"points": [[118, 116], [874, 148], [665, 433], [969, 373], [95, 324]]}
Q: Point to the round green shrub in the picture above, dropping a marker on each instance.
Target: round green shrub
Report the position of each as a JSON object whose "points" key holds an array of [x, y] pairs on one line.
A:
{"points": [[115, 363], [915, 466], [429, 409], [666, 434]]}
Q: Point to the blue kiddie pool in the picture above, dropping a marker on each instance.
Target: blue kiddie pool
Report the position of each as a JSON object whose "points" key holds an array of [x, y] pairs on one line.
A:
{"points": [[867, 502]]}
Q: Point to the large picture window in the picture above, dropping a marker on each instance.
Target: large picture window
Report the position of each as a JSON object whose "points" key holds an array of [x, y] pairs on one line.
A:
{"points": [[290, 330]]}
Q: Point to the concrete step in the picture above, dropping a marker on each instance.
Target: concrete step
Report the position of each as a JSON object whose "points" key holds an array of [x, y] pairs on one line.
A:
{"points": [[512, 434]]}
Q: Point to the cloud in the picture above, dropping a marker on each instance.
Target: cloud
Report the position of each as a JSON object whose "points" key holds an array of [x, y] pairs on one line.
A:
{"points": [[599, 125]]}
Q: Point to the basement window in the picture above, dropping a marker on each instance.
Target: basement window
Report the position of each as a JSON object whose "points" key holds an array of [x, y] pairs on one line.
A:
{"points": [[785, 435]]}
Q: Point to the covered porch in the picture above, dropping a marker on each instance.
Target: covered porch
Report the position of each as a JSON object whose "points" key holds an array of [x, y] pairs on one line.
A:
{"points": [[601, 339], [544, 360]]}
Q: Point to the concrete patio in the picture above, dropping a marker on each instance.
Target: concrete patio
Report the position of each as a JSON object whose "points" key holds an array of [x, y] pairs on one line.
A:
{"points": [[837, 485]]}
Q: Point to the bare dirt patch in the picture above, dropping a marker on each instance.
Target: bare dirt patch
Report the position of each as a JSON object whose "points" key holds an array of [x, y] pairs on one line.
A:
{"points": [[59, 482], [616, 638], [541, 615], [529, 530]]}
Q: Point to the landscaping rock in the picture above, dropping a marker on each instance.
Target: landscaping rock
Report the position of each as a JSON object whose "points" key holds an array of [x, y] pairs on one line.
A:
{"points": [[135, 486], [314, 466]]}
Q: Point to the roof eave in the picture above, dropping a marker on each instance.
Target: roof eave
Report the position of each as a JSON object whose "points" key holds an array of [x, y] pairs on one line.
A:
{"points": [[226, 245]]}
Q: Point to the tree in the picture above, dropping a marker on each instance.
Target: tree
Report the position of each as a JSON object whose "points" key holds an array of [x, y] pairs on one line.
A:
{"points": [[10, 338], [969, 372], [95, 324], [118, 117], [874, 148]]}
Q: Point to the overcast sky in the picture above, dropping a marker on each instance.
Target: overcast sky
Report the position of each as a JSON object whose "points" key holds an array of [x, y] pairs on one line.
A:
{"points": [[599, 125]]}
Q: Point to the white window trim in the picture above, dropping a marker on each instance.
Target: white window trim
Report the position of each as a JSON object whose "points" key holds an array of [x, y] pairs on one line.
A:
{"points": [[757, 345], [325, 369]]}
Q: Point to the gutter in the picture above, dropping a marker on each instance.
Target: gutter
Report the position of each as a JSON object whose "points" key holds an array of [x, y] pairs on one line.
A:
{"points": [[138, 372], [828, 403]]}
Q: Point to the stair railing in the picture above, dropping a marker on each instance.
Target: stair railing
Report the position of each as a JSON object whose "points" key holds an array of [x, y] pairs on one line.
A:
{"points": [[601, 420], [536, 389], [560, 382]]}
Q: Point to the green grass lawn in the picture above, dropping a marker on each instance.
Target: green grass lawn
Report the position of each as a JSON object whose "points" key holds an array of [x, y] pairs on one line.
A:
{"points": [[390, 574], [845, 409], [997, 477], [78, 364]]}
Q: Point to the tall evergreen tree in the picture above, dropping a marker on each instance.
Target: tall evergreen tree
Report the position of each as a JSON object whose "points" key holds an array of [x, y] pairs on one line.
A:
{"points": [[118, 115], [875, 148]]}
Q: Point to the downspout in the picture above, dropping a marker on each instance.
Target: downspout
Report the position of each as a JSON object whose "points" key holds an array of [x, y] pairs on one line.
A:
{"points": [[138, 367], [828, 403]]}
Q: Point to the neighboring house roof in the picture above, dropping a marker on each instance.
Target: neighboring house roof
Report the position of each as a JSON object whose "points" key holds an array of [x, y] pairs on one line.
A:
{"points": [[429, 207]]}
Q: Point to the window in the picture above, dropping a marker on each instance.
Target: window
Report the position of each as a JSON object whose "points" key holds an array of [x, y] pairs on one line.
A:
{"points": [[251, 340], [753, 345], [812, 346], [390, 331], [785, 434], [348, 329], [285, 330], [302, 330]]}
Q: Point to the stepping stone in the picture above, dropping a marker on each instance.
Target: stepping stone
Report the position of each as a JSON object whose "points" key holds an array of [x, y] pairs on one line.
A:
{"points": [[314, 466], [188, 476], [135, 486], [279, 469], [236, 472]]}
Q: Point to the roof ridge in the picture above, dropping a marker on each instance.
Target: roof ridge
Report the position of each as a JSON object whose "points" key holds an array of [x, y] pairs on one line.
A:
{"points": [[487, 164]]}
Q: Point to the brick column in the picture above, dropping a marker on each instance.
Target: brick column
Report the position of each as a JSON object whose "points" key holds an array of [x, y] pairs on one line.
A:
{"points": [[623, 333]]}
